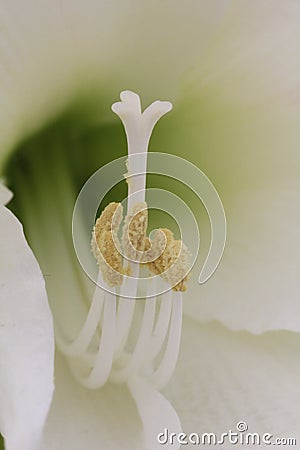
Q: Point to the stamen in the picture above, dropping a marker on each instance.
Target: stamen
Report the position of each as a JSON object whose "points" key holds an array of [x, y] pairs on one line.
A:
{"points": [[100, 351], [173, 260]]}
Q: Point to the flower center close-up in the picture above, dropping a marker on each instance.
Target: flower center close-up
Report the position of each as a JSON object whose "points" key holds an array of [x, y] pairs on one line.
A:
{"points": [[102, 350]]}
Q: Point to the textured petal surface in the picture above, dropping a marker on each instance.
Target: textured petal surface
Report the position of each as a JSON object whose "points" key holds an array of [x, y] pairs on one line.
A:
{"points": [[225, 377], [82, 418], [26, 340], [256, 286], [5, 194], [109, 418]]}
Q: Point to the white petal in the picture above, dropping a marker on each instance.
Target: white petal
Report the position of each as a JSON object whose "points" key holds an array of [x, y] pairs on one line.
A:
{"points": [[250, 151], [224, 377], [5, 194], [256, 286], [81, 418], [26, 340]]}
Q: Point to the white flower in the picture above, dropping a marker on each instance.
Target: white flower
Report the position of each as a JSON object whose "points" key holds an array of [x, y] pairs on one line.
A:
{"points": [[231, 69]]}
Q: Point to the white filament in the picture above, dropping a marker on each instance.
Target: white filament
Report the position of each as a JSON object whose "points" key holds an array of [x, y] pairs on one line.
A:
{"points": [[162, 375], [141, 348], [161, 330], [125, 311]]}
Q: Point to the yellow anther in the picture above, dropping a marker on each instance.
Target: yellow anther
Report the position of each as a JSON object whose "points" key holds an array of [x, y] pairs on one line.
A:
{"points": [[134, 232], [172, 261], [164, 256], [105, 244]]}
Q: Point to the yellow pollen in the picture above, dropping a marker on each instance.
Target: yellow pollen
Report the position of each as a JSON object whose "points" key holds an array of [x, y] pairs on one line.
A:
{"points": [[134, 232], [172, 261], [164, 256], [105, 244]]}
